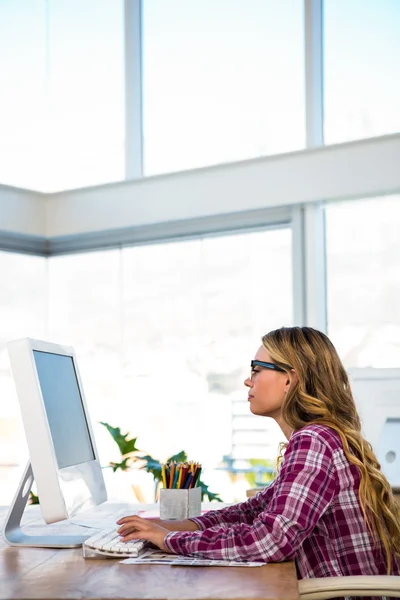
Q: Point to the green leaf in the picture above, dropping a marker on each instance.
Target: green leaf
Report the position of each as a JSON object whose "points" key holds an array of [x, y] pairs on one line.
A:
{"points": [[125, 445], [206, 492], [123, 465], [180, 457], [152, 466], [33, 499]]}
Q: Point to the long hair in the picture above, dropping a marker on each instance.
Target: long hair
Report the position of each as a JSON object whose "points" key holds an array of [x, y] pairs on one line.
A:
{"points": [[323, 395]]}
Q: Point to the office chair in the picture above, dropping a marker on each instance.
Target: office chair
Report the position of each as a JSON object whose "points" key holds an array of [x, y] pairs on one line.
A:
{"points": [[323, 588]]}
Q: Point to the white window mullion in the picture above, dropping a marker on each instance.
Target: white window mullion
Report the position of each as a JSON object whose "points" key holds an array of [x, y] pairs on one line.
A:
{"points": [[298, 267], [309, 266], [315, 262], [308, 221], [133, 90], [313, 40]]}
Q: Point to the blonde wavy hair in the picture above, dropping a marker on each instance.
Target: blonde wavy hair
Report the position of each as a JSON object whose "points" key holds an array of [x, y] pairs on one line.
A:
{"points": [[323, 395]]}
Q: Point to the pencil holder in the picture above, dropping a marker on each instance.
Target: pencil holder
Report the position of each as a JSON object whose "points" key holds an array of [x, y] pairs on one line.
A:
{"points": [[180, 504]]}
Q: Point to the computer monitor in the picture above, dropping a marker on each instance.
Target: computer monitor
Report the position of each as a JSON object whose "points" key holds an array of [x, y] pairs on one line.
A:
{"points": [[63, 457], [377, 396]]}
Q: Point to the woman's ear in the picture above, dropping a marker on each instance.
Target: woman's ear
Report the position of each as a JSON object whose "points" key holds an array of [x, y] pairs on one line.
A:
{"points": [[291, 380]]}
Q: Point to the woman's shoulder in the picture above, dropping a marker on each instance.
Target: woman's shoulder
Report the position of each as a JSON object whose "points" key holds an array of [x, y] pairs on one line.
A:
{"points": [[324, 434]]}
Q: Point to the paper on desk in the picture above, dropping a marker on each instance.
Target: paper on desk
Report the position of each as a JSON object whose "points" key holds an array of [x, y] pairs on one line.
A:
{"points": [[157, 557]]}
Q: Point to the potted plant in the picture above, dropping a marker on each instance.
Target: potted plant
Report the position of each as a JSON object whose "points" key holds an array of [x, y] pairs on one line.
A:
{"points": [[132, 457]]}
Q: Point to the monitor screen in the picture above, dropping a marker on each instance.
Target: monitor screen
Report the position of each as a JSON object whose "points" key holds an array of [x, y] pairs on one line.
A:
{"points": [[64, 409]]}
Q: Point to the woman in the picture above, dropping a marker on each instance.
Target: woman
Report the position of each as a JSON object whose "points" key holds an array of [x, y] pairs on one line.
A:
{"points": [[330, 508]]}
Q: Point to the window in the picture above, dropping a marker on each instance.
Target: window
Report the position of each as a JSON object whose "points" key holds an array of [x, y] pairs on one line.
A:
{"points": [[61, 103], [362, 69], [164, 335], [85, 94], [22, 75], [84, 312], [223, 81], [23, 314], [363, 275], [194, 313]]}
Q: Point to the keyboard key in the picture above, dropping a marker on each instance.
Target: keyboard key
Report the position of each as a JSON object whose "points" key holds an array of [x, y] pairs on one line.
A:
{"points": [[108, 543]]}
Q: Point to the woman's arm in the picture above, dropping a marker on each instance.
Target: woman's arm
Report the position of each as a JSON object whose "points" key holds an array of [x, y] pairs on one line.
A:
{"points": [[242, 512], [127, 525], [303, 491]]}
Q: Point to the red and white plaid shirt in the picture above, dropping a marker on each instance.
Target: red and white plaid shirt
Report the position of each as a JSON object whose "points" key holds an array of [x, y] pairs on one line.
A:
{"points": [[310, 514]]}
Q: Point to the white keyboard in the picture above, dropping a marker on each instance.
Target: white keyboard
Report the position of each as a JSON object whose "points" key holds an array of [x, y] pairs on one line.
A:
{"points": [[108, 543]]}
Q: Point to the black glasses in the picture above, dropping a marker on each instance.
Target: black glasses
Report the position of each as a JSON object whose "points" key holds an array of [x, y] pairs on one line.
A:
{"points": [[266, 365]]}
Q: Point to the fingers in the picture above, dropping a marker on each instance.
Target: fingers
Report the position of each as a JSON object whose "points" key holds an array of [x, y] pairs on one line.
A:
{"points": [[135, 527], [129, 532], [132, 536], [131, 526], [125, 530], [126, 519]]}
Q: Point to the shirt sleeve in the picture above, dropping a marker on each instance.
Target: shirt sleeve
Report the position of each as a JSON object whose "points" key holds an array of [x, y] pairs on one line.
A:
{"points": [[302, 493], [243, 512]]}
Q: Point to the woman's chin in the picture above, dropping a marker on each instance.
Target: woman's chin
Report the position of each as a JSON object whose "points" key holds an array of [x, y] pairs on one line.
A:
{"points": [[258, 412], [253, 409]]}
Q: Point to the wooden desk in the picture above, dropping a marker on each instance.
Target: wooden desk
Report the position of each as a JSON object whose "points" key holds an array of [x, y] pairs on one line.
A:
{"points": [[47, 574]]}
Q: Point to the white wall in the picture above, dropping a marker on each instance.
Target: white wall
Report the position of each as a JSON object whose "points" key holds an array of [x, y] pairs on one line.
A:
{"points": [[352, 170], [22, 211], [356, 169]]}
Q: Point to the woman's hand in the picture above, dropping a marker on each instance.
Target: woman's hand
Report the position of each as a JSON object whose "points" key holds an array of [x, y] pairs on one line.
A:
{"points": [[135, 527]]}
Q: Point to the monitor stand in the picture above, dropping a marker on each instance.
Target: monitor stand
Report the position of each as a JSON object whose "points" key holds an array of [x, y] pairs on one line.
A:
{"points": [[12, 532]]}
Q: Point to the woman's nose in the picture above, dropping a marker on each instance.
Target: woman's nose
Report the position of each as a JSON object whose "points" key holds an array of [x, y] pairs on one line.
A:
{"points": [[247, 382]]}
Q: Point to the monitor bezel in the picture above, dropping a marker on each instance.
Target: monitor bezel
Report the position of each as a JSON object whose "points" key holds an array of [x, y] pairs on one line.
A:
{"points": [[63, 492]]}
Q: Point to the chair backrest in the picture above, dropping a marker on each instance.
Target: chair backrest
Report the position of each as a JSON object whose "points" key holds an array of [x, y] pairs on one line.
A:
{"points": [[323, 588]]}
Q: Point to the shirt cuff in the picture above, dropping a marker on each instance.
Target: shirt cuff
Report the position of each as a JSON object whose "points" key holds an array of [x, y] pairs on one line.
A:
{"points": [[169, 542]]}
